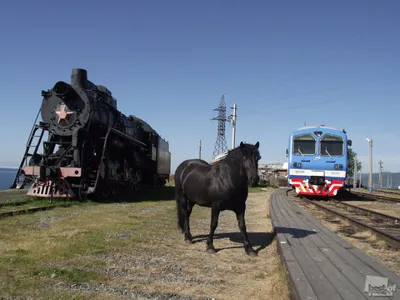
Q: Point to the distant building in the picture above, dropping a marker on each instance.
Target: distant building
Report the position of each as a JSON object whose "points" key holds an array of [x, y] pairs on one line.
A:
{"points": [[273, 173], [273, 169]]}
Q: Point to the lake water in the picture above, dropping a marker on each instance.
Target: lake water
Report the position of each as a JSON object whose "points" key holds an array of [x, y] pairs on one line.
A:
{"points": [[6, 178]]}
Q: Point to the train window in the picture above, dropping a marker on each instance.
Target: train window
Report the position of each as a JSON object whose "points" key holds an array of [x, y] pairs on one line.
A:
{"points": [[304, 144], [332, 145]]}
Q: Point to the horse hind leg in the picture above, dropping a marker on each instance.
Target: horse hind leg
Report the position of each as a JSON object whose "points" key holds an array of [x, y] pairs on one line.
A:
{"points": [[215, 211], [188, 235], [242, 226]]}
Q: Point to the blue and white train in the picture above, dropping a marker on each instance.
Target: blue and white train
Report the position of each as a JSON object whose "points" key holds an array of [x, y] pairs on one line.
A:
{"points": [[317, 160]]}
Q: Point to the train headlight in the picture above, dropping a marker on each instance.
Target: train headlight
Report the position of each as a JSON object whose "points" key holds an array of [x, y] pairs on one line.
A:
{"points": [[297, 164], [338, 166]]}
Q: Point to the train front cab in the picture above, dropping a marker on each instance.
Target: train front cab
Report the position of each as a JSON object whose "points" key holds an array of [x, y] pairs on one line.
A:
{"points": [[317, 161]]}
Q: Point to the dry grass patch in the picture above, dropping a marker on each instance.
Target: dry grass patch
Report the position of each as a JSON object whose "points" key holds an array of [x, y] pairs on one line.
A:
{"points": [[114, 251]]}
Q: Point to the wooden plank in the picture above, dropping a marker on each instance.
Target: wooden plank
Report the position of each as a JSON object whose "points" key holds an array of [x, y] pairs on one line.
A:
{"points": [[353, 274], [301, 287], [283, 243], [291, 225], [285, 227], [345, 272], [343, 251], [319, 282], [341, 283], [313, 254], [307, 226], [359, 270], [319, 226], [337, 279], [378, 267]]}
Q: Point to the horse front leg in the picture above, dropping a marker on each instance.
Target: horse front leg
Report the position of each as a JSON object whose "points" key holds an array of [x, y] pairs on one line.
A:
{"points": [[242, 226], [214, 223]]}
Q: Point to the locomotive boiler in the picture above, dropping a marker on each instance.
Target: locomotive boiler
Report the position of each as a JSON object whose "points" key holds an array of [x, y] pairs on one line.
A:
{"points": [[91, 148]]}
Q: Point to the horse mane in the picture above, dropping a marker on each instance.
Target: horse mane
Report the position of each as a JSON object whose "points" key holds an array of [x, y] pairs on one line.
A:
{"points": [[234, 155]]}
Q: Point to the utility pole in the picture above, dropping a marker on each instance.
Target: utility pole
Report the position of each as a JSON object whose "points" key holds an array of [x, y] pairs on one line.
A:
{"points": [[387, 179], [355, 173], [380, 173], [370, 165], [200, 150], [232, 118]]}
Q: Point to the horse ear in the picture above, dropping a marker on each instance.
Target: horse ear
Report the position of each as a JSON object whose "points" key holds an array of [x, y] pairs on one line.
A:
{"points": [[241, 145], [257, 145]]}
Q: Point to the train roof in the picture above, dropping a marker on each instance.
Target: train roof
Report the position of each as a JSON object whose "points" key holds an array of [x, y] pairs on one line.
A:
{"points": [[322, 127], [318, 126], [327, 129]]}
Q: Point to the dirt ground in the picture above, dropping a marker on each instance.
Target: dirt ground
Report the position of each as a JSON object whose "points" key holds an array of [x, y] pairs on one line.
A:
{"points": [[391, 209], [134, 250]]}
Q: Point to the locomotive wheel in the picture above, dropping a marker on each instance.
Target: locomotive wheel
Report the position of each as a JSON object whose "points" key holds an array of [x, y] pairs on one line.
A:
{"points": [[83, 190]]}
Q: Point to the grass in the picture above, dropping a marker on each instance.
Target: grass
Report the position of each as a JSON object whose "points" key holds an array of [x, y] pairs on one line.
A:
{"points": [[33, 242], [135, 245]]}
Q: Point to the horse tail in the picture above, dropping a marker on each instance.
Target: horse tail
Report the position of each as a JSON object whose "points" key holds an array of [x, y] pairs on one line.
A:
{"points": [[181, 211], [180, 197]]}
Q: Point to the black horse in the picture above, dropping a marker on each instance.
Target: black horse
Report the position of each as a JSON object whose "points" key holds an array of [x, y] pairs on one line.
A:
{"points": [[223, 186]]}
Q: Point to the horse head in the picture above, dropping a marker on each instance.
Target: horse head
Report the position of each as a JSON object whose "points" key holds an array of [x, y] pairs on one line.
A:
{"points": [[251, 156]]}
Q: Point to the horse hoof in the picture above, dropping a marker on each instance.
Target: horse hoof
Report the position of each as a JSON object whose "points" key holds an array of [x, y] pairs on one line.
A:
{"points": [[211, 251], [187, 241], [252, 253]]}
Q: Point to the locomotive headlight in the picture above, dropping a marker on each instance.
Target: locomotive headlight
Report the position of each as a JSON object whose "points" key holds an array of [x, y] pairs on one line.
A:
{"points": [[297, 164], [338, 166]]}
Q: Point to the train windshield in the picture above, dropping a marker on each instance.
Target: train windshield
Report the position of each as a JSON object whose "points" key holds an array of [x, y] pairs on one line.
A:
{"points": [[304, 144], [332, 145]]}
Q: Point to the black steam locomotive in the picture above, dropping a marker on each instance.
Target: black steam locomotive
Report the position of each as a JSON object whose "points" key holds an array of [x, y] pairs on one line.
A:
{"points": [[92, 148]]}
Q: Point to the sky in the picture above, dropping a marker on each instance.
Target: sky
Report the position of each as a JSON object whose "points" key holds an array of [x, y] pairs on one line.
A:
{"points": [[283, 63]]}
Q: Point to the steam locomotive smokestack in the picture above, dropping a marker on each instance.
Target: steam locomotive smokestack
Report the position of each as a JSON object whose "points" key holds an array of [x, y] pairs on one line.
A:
{"points": [[79, 78]]}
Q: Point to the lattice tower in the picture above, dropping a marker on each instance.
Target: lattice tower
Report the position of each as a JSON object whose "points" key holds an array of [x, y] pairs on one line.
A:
{"points": [[220, 144]]}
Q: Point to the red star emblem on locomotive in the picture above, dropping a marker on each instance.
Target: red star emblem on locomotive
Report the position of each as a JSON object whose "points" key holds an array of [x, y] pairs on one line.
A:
{"points": [[63, 113]]}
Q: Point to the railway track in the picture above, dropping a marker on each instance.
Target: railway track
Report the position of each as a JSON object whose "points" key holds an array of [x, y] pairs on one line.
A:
{"points": [[376, 197], [384, 226], [14, 203], [388, 192], [30, 209]]}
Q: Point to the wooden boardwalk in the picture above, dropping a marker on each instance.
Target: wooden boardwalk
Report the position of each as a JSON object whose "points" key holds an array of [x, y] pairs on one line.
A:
{"points": [[320, 264]]}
